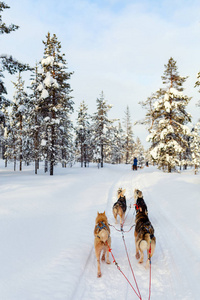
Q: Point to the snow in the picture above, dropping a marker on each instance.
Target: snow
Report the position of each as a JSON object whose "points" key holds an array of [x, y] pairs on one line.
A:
{"points": [[167, 106], [49, 81], [47, 225], [49, 60], [175, 92], [43, 142], [44, 94], [21, 108]]}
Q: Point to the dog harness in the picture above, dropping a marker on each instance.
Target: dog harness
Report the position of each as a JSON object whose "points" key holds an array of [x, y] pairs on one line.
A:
{"points": [[140, 203], [148, 231], [103, 226]]}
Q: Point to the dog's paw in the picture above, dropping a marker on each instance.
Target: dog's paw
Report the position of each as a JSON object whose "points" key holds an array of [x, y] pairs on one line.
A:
{"points": [[147, 264], [108, 261], [98, 274], [140, 261], [137, 255]]}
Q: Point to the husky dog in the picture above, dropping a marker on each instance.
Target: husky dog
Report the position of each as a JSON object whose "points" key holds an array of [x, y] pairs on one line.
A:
{"points": [[144, 237], [139, 201], [119, 207], [102, 240]]}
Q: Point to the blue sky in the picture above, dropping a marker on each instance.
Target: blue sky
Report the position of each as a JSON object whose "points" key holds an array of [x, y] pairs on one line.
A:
{"points": [[118, 46]]}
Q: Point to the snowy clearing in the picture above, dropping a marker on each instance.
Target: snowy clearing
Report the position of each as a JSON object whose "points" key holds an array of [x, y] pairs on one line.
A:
{"points": [[47, 225]]}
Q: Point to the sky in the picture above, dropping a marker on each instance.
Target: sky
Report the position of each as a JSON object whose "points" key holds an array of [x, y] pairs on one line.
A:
{"points": [[119, 47]]}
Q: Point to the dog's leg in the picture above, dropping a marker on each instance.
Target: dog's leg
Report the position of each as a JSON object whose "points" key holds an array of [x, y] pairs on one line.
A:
{"points": [[153, 245], [104, 253], [147, 263], [141, 257], [137, 255], [121, 215], [107, 256], [98, 252], [115, 215]]}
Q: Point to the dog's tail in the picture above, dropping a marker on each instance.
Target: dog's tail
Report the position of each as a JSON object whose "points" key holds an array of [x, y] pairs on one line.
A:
{"points": [[143, 245], [103, 234]]}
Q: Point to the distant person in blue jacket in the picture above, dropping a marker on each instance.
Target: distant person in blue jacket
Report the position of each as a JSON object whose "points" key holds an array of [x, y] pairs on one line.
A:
{"points": [[135, 164]]}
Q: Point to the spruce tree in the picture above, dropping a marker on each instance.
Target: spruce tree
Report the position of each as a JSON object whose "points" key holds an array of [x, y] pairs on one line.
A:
{"points": [[83, 136], [18, 142], [99, 127], [55, 104], [115, 147], [169, 133], [34, 117], [139, 152], [195, 147], [4, 103], [129, 142], [197, 84], [3, 27]]}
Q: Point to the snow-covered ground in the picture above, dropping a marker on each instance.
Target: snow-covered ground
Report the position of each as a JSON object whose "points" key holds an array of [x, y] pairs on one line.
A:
{"points": [[46, 234]]}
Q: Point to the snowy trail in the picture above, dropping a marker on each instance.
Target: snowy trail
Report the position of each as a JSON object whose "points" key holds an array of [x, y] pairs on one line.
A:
{"points": [[175, 255], [108, 285], [47, 237], [167, 263]]}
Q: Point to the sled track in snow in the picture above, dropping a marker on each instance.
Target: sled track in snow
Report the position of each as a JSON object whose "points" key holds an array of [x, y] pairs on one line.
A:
{"points": [[166, 270], [171, 249], [82, 290]]}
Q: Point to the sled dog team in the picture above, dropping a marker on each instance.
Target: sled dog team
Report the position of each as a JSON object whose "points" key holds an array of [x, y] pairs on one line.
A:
{"points": [[144, 231]]}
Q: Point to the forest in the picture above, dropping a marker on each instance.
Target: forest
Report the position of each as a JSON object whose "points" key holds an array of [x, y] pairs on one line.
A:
{"points": [[37, 127]]}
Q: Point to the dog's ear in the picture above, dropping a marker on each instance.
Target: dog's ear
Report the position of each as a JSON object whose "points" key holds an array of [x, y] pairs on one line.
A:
{"points": [[104, 213], [97, 213], [124, 191]]}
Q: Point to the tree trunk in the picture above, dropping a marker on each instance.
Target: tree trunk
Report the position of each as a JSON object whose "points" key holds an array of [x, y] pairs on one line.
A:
{"points": [[51, 168], [101, 155], [195, 169], [36, 166], [46, 166], [14, 164]]}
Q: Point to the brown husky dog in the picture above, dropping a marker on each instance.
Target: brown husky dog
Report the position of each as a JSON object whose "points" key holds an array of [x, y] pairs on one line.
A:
{"points": [[119, 207], [144, 236], [102, 239]]}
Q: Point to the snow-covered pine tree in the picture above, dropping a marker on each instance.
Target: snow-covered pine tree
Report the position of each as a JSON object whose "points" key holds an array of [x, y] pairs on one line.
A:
{"points": [[34, 117], [139, 152], [55, 104], [83, 136], [195, 147], [197, 84], [3, 101], [99, 127], [169, 134], [17, 133], [115, 148], [3, 27], [129, 142]]}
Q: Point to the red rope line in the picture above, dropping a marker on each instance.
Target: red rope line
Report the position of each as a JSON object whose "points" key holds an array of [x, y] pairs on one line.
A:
{"points": [[150, 271], [130, 265], [120, 229], [114, 261]]}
